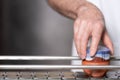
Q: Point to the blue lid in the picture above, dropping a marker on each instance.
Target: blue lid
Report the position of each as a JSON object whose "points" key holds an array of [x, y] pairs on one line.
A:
{"points": [[102, 52]]}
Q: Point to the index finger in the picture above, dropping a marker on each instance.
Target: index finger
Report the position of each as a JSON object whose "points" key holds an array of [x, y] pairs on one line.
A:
{"points": [[96, 37]]}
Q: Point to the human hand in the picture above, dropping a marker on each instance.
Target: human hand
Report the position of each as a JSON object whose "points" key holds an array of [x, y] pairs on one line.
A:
{"points": [[90, 24]]}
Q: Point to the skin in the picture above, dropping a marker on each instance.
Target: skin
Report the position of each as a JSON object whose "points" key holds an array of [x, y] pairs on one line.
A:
{"points": [[88, 23]]}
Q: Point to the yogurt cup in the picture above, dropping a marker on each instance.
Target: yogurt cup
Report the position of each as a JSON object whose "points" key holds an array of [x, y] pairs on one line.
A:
{"points": [[101, 57]]}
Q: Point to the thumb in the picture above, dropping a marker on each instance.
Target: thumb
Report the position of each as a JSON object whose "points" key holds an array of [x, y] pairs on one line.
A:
{"points": [[107, 42]]}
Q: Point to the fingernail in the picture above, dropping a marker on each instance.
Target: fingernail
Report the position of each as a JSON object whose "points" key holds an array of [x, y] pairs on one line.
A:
{"points": [[82, 56], [92, 53]]}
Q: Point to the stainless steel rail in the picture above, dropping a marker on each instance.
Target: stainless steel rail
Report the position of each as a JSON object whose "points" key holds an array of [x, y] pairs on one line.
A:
{"points": [[47, 58], [52, 67], [38, 58]]}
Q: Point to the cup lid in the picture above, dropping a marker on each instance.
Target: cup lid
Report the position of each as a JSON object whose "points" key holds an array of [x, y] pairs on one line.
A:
{"points": [[102, 52]]}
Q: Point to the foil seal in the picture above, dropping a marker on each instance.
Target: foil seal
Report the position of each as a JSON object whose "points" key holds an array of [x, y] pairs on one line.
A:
{"points": [[102, 52]]}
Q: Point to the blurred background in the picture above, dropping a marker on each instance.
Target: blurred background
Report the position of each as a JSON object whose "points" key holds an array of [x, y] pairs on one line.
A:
{"points": [[31, 27]]}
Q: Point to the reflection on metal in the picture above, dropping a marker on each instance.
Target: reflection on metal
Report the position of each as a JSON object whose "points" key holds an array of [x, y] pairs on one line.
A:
{"points": [[53, 67], [46, 58], [45, 67]]}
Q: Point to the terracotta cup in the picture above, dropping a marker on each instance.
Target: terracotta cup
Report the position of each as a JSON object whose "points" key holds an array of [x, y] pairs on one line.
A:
{"points": [[101, 57]]}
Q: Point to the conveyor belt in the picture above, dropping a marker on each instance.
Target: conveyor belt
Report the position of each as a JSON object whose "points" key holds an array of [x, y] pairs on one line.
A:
{"points": [[48, 76]]}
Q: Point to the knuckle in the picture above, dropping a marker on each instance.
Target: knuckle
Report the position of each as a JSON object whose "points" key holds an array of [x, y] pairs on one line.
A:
{"points": [[83, 50], [96, 36], [78, 38], [99, 24], [95, 43], [92, 48]]}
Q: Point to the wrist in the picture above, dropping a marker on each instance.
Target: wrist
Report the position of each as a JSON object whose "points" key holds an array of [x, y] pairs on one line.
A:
{"points": [[89, 9]]}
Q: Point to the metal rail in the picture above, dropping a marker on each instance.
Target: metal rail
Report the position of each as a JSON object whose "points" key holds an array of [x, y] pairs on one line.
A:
{"points": [[52, 67], [46, 58], [38, 58]]}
